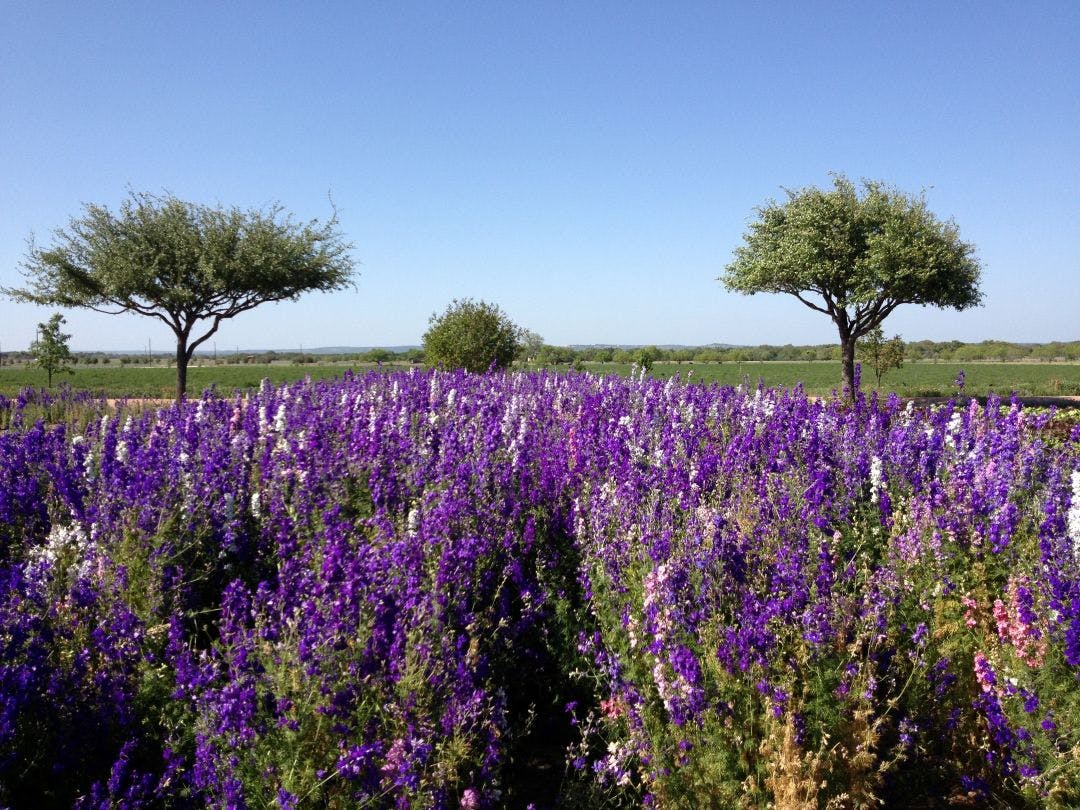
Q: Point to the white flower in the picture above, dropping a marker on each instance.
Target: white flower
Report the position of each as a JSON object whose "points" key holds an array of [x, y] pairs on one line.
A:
{"points": [[1073, 520], [64, 542], [952, 430], [876, 478]]}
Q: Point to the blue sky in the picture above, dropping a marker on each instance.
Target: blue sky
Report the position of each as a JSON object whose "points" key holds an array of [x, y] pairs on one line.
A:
{"points": [[590, 167]]}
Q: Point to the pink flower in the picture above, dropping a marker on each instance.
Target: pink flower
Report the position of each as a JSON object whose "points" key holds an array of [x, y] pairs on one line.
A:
{"points": [[984, 673], [1019, 625], [395, 758], [1001, 617], [470, 799], [970, 606], [612, 708]]}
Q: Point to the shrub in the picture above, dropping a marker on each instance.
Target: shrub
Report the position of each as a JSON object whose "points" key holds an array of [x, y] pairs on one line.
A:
{"points": [[471, 335]]}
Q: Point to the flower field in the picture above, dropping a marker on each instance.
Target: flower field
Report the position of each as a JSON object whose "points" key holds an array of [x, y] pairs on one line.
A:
{"points": [[462, 591]]}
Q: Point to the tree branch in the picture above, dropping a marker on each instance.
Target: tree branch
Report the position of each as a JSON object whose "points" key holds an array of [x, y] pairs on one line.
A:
{"points": [[198, 342], [882, 308], [814, 306]]}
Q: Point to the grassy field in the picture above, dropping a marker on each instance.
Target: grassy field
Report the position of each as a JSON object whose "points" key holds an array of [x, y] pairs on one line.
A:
{"points": [[818, 378], [160, 381], [914, 379]]}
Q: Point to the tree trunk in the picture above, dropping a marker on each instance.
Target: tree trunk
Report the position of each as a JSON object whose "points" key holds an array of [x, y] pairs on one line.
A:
{"points": [[847, 359], [181, 368]]}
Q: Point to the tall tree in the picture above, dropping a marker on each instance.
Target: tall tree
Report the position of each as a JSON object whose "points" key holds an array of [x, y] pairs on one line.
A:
{"points": [[190, 266], [855, 257], [50, 348]]}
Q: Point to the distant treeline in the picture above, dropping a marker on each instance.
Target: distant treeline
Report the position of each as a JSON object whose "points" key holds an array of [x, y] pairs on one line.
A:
{"points": [[950, 351], [229, 359]]}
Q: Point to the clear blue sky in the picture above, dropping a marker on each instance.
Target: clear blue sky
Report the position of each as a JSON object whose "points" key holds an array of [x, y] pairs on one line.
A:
{"points": [[590, 167]]}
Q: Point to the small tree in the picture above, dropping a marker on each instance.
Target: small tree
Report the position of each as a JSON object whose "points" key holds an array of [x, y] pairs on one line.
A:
{"points": [[378, 356], [882, 355], [555, 355], [184, 264], [531, 344], [472, 335], [645, 357], [50, 349], [855, 258]]}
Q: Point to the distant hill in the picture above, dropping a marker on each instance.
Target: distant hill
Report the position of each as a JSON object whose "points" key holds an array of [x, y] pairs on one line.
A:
{"points": [[664, 346], [352, 349], [296, 350]]}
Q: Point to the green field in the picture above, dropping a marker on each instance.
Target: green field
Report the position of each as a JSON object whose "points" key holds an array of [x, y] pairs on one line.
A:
{"points": [[160, 381], [914, 379], [818, 378]]}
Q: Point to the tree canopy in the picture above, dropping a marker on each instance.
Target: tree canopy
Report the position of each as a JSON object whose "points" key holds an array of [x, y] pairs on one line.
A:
{"points": [[473, 335], [855, 257], [190, 266]]}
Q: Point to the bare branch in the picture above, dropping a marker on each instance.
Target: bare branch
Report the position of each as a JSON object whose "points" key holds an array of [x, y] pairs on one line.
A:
{"points": [[198, 342], [812, 305]]}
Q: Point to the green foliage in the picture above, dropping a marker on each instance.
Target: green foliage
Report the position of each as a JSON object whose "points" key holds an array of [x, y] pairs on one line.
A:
{"points": [[645, 357], [531, 343], [50, 350], [184, 264], [554, 355], [472, 335], [882, 355], [855, 257], [818, 378], [378, 356]]}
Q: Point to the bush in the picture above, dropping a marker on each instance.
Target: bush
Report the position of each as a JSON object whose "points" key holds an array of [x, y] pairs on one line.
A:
{"points": [[472, 335], [378, 356], [645, 357]]}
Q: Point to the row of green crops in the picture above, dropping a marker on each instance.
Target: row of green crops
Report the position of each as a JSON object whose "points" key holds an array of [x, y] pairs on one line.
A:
{"points": [[160, 381], [423, 589], [819, 378]]}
